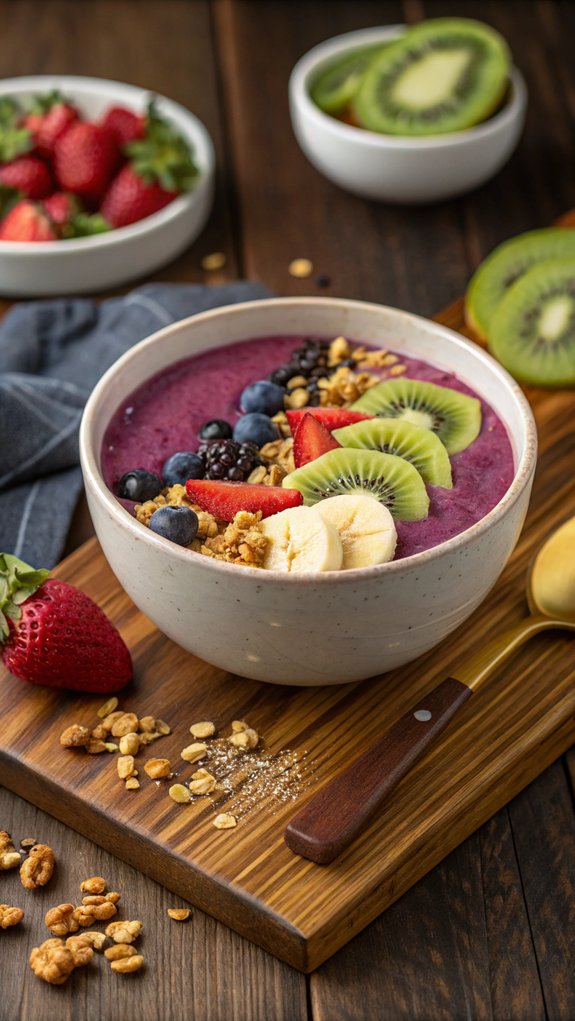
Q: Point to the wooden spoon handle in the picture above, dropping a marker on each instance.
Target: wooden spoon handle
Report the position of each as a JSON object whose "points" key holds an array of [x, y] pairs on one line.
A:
{"points": [[334, 817]]}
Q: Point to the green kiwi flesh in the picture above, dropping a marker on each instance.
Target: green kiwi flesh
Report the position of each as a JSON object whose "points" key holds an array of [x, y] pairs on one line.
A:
{"points": [[453, 416], [393, 481], [532, 331], [421, 447], [335, 87], [506, 264], [443, 75]]}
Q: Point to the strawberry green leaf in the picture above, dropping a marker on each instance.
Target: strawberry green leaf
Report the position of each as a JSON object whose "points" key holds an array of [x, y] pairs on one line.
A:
{"points": [[9, 111], [13, 141], [163, 156], [43, 103], [85, 224], [18, 581], [8, 199]]}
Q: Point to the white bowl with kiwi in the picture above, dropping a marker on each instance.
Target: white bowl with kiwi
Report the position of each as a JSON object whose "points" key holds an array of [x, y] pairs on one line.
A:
{"points": [[409, 115], [320, 627]]}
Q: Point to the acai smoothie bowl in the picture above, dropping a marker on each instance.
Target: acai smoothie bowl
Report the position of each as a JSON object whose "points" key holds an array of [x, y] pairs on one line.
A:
{"points": [[306, 490]]}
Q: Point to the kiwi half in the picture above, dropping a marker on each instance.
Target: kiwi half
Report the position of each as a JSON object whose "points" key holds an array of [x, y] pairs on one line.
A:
{"points": [[393, 481], [443, 75], [532, 331], [506, 264], [335, 88], [421, 447], [453, 416]]}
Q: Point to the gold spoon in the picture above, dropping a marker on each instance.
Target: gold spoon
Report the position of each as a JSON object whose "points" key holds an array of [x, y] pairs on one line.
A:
{"points": [[333, 818]]}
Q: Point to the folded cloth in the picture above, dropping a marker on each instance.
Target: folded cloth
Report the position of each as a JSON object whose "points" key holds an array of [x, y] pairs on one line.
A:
{"points": [[51, 355]]}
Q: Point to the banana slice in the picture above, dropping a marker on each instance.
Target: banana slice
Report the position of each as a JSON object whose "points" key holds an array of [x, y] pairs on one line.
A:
{"points": [[300, 540], [366, 528]]}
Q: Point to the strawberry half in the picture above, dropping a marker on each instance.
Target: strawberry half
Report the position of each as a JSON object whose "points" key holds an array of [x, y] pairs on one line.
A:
{"points": [[311, 440], [225, 499], [331, 418], [52, 633], [26, 221], [29, 175]]}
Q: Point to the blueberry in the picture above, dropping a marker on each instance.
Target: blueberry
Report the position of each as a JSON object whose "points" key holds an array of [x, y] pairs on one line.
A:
{"points": [[255, 428], [216, 429], [139, 485], [183, 466], [179, 524], [263, 397]]}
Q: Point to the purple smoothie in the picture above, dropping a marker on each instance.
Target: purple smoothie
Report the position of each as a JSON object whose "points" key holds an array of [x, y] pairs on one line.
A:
{"points": [[165, 415]]}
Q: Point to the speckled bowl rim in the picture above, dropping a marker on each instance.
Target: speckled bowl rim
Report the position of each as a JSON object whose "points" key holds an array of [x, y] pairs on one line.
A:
{"points": [[109, 88], [523, 471], [311, 62]]}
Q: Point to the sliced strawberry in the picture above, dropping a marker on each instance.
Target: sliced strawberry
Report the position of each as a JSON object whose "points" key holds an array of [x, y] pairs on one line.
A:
{"points": [[225, 499], [125, 125], [331, 418], [52, 633], [29, 175], [311, 440], [26, 221]]}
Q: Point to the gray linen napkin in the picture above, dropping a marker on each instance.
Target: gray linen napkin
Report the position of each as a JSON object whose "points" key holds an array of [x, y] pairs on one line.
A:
{"points": [[51, 355]]}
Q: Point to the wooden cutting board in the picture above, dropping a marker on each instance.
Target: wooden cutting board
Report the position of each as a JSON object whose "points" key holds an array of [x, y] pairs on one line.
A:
{"points": [[519, 723]]}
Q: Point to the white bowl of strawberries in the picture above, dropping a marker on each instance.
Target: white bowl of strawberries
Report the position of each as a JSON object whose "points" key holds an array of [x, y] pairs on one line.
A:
{"points": [[100, 183]]}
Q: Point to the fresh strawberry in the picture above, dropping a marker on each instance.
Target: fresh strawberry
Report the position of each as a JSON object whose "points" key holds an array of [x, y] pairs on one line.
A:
{"points": [[49, 116], [225, 499], [161, 167], [331, 418], [85, 157], [311, 440], [125, 125], [61, 207], [29, 175], [70, 219], [129, 198], [54, 634], [26, 221]]}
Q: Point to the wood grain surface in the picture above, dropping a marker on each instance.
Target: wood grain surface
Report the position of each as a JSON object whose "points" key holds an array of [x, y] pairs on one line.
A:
{"points": [[517, 723], [489, 933]]}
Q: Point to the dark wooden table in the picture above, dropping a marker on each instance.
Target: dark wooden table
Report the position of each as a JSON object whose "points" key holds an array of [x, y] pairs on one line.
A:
{"points": [[489, 934]]}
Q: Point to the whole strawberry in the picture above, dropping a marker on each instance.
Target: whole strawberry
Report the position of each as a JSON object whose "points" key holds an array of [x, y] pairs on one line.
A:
{"points": [[29, 175], [26, 221], [49, 116], [160, 167], [84, 160], [54, 634], [125, 125]]}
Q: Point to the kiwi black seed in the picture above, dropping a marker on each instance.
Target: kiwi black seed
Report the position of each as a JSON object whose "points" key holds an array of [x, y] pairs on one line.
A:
{"points": [[532, 331], [335, 87], [453, 416], [421, 447], [443, 75], [392, 480], [506, 264]]}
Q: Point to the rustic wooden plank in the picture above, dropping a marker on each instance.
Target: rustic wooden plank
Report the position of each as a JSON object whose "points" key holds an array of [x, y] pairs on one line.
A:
{"points": [[544, 834], [198, 965]]}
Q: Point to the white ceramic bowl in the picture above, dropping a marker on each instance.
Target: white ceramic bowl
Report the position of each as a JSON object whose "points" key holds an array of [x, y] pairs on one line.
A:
{"points": [[88, 264], [318, 628], [391, 167]]}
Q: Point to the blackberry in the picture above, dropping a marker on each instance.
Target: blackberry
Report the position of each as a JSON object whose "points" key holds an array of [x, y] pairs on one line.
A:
{"points": [[309, 360], [229, 460]]}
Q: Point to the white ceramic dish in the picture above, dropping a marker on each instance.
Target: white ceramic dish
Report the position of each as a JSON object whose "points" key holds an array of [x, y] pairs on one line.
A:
{"points": [[89, 264], [319, 628], [390, 167]]}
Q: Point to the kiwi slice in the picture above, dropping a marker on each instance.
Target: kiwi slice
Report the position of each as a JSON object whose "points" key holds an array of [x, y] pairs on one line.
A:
{"points": [[453, 416], [532, 330], [421, 447], [443, 75], [393, 481], [336, 87], [506, 264]]}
